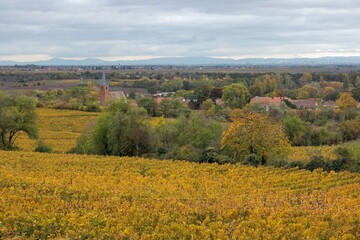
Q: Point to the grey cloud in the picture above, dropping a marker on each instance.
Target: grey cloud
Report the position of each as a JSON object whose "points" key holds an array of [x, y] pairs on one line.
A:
{"points": [[91, 28]]}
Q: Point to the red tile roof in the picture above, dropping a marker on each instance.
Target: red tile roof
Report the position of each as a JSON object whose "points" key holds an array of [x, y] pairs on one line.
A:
{"points": [[160, 99], [307, 103], [268, 100]]}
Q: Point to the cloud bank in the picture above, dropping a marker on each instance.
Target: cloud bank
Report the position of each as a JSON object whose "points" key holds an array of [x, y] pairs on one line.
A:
{"points": [[123, 29]]}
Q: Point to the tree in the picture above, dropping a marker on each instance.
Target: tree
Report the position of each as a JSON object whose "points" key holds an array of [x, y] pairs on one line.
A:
{"points": [[356, 93], [258, 88], [206, 105], [346, 101], [254, 133], [346, 82], [215, 93], [202, 93], [17, 114], [327, 91], [150, 105], [171, 108], [357, 81], [286, 80], [235, 95], [350, 129], [294, 127], [125, 123], [187, 137], [123, 131], [306, 78], [308, 91]]}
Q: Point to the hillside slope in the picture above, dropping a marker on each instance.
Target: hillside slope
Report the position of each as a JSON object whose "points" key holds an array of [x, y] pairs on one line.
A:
{"points": [[72, 196]]}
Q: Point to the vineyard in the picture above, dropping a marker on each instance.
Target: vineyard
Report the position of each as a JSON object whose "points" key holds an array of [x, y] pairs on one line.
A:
{"points": [[58, 128], [77, 197], [305, 153]]}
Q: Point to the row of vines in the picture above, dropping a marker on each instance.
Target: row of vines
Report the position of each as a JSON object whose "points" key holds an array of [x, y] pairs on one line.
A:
{"points": [[77, 197]]}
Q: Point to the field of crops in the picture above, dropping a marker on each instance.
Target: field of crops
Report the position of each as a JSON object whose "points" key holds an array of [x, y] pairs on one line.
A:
{"points": [[59, 128], [77, 197]]}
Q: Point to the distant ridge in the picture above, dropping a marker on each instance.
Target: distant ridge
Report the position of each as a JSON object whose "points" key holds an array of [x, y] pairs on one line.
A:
{"points": [[193, 61]]}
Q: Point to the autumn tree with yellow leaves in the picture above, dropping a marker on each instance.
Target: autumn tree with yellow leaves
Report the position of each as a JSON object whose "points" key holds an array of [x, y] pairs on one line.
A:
{"points": [[346, 101], [254, 138]]}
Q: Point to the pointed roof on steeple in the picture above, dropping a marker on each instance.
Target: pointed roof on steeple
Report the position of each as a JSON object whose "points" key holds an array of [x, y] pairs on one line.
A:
{"points": [[103, 80]]}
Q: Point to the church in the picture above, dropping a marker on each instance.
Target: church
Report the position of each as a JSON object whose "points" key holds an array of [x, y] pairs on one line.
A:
{"points": [[106, 94]]}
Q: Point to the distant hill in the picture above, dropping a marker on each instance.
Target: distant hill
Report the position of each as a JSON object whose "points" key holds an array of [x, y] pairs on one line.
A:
{"points": [[194, 61]]}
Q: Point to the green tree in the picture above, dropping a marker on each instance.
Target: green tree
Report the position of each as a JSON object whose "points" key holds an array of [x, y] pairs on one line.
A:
{"points": [[306, 78], [202, 93], [350, 129], [171, 108], [150, 105], [17, 114], [235, 95], [187, 137], [346, 82], [286, 81], [357, 81], [206, 105], [123, 131], [121, 137], [356, 93], [294, 127], [257, 89]]}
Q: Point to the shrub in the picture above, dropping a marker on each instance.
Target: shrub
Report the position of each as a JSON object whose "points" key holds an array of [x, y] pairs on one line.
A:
{"points": [[43, 147], [294, 164], [316, 162]]}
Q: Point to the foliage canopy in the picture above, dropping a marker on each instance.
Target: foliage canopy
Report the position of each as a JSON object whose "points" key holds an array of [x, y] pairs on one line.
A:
{"points": [[236, 95], [17, 114], [253, 135]]}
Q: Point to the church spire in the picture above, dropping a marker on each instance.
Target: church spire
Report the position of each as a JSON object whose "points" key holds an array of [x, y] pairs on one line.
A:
{"points": [[103, 80], [104, 90]]}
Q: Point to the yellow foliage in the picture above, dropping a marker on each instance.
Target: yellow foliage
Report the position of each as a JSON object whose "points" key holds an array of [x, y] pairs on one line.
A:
{"points": [[254, 133], [157, 121], [346, 101], [305, 153], [58, 128], [58, 196]]}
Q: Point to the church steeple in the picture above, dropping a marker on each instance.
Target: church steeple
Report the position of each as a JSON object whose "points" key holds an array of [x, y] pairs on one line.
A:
{"points": [[104, 90], [103, 80]]}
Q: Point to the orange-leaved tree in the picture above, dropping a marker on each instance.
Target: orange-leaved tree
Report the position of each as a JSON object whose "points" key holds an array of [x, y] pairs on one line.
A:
{"points": [[346, 101], [254, 138]]}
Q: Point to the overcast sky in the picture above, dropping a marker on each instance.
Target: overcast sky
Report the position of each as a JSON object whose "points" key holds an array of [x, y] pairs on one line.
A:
{"points": [[137, 29]]}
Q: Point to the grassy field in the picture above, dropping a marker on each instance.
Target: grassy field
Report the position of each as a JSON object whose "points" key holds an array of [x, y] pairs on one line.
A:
{"points": [[77, 197]]}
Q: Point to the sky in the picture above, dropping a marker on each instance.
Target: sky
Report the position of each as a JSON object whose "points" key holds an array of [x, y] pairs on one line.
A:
{"points": [[33, 30]]}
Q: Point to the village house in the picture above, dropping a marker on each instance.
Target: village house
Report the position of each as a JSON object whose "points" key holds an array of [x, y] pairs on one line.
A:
{"points": [[163, 94], [310, 103], [266, 101], [218, 101], [330, 104], [160, 99]]}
